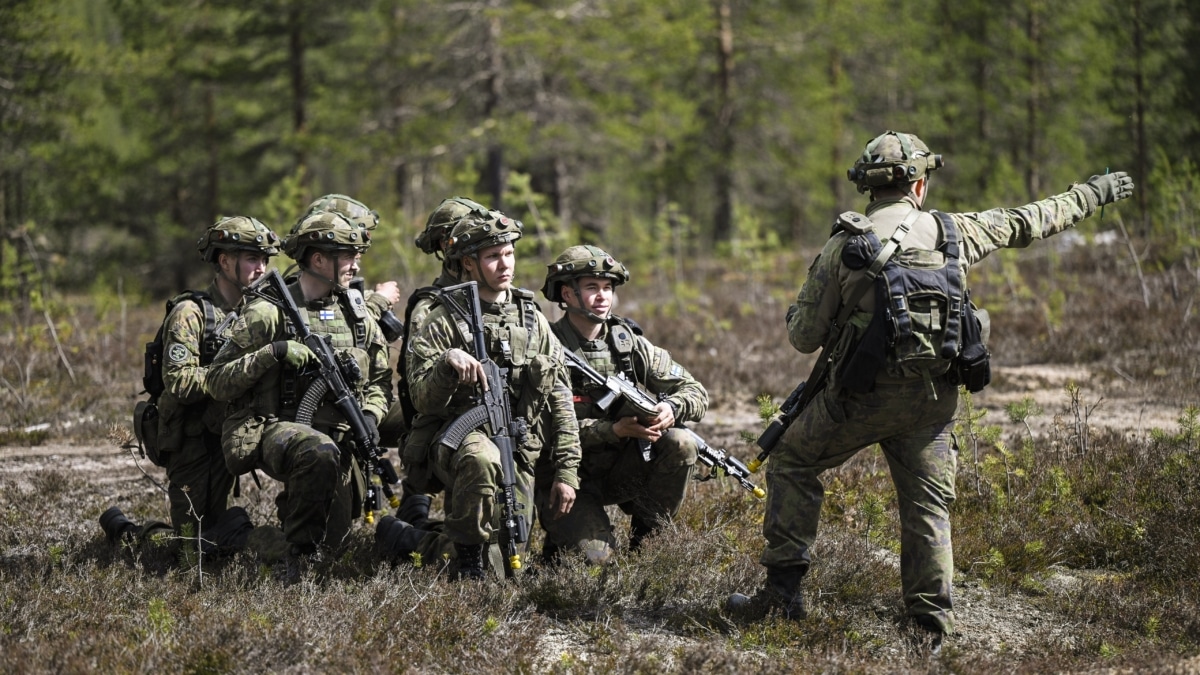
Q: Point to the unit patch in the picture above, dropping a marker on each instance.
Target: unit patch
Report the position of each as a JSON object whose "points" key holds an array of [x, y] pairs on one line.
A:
{"points": [[177, 353]]}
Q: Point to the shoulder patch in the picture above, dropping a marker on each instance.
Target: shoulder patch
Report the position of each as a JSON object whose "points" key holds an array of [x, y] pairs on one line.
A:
{"points": [[177, 353]]}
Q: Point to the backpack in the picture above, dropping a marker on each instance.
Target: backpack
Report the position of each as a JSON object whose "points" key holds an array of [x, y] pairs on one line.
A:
{"points": [[145, 413], [924, 324]]}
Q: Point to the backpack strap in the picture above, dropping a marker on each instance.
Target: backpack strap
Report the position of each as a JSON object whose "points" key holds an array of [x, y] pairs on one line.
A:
{"points": [[885, 254], [956, 287]]}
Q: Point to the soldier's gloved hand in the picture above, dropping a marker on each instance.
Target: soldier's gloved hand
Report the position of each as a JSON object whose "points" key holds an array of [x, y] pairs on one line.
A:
{"points": [[372, 426], [295, 354], [1111, 187]]}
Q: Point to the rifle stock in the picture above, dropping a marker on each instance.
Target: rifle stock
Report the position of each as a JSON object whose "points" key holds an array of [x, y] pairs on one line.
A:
{"points": [[494, 411], [380, 472]]}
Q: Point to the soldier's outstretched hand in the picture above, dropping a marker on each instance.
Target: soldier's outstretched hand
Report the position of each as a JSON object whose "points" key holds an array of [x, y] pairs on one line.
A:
{"points": [[1111, 187], [469, 369]]}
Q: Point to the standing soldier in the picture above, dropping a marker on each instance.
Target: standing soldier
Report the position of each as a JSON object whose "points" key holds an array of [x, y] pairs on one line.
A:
{"points": [[896, 366], [262, 370], [641, 465], [444, 378], [189, 420]]}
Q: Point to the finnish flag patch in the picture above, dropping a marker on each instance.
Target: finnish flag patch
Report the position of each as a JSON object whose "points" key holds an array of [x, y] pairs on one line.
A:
{"points": [[327, 315]]}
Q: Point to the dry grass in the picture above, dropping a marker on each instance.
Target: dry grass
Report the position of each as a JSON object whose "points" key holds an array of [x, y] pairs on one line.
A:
{"points": [[1097, 538]]}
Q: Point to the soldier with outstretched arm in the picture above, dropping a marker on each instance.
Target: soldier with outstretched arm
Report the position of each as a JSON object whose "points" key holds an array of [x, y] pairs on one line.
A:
{"points": [[898, 275]]}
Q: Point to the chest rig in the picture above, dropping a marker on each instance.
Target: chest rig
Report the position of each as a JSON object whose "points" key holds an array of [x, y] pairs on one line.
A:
{"points": [[341, 320], [610, 355]]}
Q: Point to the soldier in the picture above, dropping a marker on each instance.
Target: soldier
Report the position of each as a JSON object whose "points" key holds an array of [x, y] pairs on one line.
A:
{"points": [[384, 296], [189, 420], [647, 481], [906, 395], [262, 371], [443, 377], [419, 482]]}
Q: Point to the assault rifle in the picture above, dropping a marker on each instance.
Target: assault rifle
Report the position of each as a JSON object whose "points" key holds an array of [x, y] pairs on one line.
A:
{"points": [[380, 472], [494, 411], [617, 386], [721, 460]]}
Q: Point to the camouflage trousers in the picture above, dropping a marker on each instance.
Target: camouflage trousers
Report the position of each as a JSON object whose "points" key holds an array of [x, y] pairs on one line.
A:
{"points": [[914, 432], [651, 492], [320, 485], [200, 486], [474, 505]]}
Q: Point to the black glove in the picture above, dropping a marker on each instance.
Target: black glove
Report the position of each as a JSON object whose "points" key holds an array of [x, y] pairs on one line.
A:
{"points": [[372, 427], [1111, 187]]}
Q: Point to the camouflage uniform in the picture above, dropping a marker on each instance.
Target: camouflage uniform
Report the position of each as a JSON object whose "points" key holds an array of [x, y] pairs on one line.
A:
{"points": [[471, 472], [613, 470], [323, 485], [190, 420], [912, 427]]}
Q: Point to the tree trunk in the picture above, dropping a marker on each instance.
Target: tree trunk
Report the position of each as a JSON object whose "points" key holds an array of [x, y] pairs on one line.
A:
{"points": [[296, 50], [1033, 102], [723, 174], [494, 171], [1139, 116]]}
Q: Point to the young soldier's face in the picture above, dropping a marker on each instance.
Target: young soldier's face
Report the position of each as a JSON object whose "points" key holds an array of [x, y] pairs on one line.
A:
{"points": [[341, 266], [245, 267], [595, 295], [493, 267]]}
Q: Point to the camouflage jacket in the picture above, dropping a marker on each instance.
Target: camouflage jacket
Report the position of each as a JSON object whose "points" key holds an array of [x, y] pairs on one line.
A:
{"points": [[185, 401], [246, 372], [537, 379], [651, 367], [829, 282]]}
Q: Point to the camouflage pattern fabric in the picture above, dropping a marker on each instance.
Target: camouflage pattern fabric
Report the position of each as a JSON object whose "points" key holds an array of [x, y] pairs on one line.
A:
{"points": [[613, 470], [471, 473], [190, 420], [322, 484], [912, 427]]}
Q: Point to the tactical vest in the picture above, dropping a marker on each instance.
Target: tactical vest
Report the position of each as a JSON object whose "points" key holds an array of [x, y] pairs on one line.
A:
{"points": [[343, 324], [612, 355], [919, 311]]}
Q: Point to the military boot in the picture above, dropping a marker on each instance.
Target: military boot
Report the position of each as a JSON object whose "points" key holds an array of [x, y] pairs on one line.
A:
{"points": [[397, 539], [414, 510], [230, 533], [781, 593], [117, 527], [470, 561], [639, 530]]}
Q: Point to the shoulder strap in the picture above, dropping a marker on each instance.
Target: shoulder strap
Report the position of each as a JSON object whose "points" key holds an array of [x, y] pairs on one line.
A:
{"points": [[210, 342], [885, 254]]}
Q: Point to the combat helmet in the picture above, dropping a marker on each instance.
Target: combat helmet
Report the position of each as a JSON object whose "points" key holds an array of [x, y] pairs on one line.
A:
{"points": [[892, 158], [443, 219], [237, 233], [578, 262], [473, 234], [326, 231], [348, 207]]}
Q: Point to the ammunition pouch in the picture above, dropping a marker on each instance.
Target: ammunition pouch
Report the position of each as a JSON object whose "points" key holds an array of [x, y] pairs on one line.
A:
{"points": [[145, 428]]}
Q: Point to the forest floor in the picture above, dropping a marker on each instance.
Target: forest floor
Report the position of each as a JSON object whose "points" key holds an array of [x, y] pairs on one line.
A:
{"points": [[988, 620]]}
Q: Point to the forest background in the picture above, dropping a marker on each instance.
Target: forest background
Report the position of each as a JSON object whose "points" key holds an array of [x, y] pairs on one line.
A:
{"points": [[659, 127]]}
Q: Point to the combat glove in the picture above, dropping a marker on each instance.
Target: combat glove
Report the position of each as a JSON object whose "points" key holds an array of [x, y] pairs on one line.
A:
{"points": [[1111, 187], [295, 354]]}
